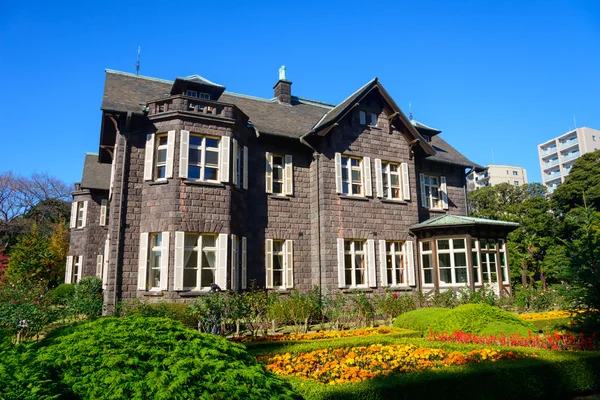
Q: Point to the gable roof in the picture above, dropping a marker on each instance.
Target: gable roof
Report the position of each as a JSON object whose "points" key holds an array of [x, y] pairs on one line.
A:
{"points": [[95, 174], [129, 92]]}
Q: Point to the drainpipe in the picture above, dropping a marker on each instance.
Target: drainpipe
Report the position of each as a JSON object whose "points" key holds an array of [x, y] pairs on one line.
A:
{"points": [[466, 192], [317, 157]]}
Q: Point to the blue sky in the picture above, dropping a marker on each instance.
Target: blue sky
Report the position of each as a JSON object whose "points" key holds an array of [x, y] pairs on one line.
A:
{"points": [[496, 77]]}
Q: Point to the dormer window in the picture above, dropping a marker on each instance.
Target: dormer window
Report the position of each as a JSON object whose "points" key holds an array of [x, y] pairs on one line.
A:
{"points": [[427, 138], [369, 119], [201, 95]]}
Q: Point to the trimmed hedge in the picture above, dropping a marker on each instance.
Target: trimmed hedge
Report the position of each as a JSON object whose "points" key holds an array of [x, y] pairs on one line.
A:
{"points": [[135, 358], [420, 320], [481, 319]]}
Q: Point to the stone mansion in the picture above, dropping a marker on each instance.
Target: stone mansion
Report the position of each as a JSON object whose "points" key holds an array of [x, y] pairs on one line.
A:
{"points": [[193, 185]]}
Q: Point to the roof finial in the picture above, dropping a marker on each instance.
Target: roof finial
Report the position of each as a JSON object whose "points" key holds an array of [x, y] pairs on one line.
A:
{"points": [[137, 64], [410, 117], [282, 73]]}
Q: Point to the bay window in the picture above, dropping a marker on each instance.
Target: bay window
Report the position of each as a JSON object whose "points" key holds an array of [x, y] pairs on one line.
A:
{"points": [[452, 261], [427, 262]]}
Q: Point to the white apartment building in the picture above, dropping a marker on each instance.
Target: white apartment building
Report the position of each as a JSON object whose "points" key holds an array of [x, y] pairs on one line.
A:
{"points": [[558, 155], [495, 174]]}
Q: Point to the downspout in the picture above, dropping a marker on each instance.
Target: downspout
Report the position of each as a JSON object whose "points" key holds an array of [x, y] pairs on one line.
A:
{"points": [[317, 158], [121, 196], [466, 191]]}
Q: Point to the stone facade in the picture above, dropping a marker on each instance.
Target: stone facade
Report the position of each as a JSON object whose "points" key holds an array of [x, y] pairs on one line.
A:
{"points": [[314, 216]]}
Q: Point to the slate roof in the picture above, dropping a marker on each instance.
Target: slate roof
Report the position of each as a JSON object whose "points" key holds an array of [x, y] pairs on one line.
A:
{"points": [[128, 92], [459, 220], [95, 175]]}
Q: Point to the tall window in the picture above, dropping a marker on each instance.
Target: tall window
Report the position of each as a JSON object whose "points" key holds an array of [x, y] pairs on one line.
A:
{"points": [[76, 271], [160, 163], [452, 261], [392, 177], [475, 261], [239, 168], [200, 261], [488, 261], [155, 260], [352, 180], [80, 214], [427, 262], [431, 185], [503, 266], [395, 266], [279, 263], [278, 171], [355, 262], [203, 162]]}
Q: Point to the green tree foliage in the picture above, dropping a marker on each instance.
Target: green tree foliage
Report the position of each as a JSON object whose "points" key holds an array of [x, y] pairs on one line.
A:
{"points": [[137, 358], [583, 177], [528, 206], [32, 259], [87, 298]]}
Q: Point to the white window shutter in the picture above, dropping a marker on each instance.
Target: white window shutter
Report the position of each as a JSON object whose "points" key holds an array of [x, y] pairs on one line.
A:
{"points": [[99, 264], [363, 117], [382, 264], [423, 195], [149, 157], [79, 268], [245, 167], [73, 223], [179, 259], [289, 264], [269, 172], [409, 261], [378, 177], [288, 183], [444, 192], [184, 149], [340, 257], [224, 166], [69, 270], [170, 153], [244, 269], [371, 267], [103, 206], [106, 262], [338, 172], [84, 219], [221, 278], [405, 181], [368, 185], [234, 265], [234, 152], [164, 261], [143, 261], [269, 262]]}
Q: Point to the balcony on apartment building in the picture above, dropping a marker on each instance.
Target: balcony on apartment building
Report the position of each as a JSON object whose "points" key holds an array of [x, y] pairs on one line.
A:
{"points": [[550, 177], [568, 143], [548, 151], [570, 156], [550, 163]]}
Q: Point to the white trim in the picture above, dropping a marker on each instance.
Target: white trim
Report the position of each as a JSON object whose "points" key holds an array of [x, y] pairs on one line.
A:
{"points": [[341, 267], [269, 263], [79, 268], [143, 261], [184, 149], [103, 209], [73, 222], [234, 155], [288, 176], [410, 262], [378, 177], [444, 192], [149, 157], [106, 262], [170, 154], [289, 264], [371, 266], [179, 258], [245, 167], [99, 265], [405, 182], [84, 218], [382, 264], [244, 267], [234, 271], [338, 172], [367, 183], [269, 172], [224, 161], [221, 273], [69, 269], [164, 261], [424, 202]]}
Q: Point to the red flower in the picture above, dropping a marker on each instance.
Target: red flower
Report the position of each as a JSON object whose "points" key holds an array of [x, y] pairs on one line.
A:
{"points": [[395, 295]]}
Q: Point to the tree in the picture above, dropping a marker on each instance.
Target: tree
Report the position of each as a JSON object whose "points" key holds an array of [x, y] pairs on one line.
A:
{"points": [[31, 259], [584, 177]]}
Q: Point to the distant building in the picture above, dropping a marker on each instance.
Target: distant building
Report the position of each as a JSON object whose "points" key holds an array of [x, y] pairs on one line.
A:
{"points": [[558, 155], [495, 174]]}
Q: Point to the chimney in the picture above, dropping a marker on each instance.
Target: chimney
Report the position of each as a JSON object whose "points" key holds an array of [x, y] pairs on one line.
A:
{"points": [[283, 88]]}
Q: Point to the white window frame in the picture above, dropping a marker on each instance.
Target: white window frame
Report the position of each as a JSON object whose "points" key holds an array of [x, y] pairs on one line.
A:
{"points": [[202, 161], [287, 174], [476, 265], [158, 148], [427, 253], [348, 181], [431, 202], [353, 252], [287, 271], [155, 246], [198, 249], [280, 167], [77, 269], [395, 248], [386, 179], [452, 251], [81, 214]]}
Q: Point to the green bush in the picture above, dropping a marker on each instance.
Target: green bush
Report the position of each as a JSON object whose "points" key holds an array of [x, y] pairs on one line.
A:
{"points": [[87, 298], [336, 311], [390, 305], [420, 320], [296, 308], [362, 308], [531, 299], [481, 319], [485, 295], [176, 311], [137, 358], [60, 295]]}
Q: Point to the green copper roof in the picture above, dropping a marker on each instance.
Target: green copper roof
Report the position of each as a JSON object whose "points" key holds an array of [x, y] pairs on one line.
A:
{"points": [[459, 220]]}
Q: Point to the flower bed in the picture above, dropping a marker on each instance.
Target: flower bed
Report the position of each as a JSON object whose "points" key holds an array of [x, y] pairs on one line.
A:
{"points": [[555, 341], [319, 335], [546, 315], [354, 364]]}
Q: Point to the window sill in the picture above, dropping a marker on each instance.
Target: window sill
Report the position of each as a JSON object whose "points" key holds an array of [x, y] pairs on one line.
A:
{"points": [[400, 288], [203, 183], [194, 293], [436, 210], [357, 290], [359, 198], [78, 229], [161, 182], [151, 293], [395, 201], [281, 290], [279, 197]]}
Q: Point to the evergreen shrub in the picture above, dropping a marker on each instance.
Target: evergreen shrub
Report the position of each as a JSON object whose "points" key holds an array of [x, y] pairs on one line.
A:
{"points": [[420, 320]]}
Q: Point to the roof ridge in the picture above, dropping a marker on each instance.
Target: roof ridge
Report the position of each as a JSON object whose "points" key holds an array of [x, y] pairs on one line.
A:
{"points": [[314, 102], [149, 78]]}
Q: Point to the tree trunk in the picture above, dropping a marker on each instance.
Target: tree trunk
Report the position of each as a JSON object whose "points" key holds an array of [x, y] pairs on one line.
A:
{"points": [[543, 279], [273, 327], [524, 274], [306, 325], [237, 328]]}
